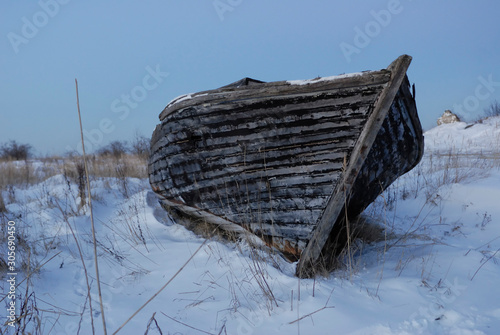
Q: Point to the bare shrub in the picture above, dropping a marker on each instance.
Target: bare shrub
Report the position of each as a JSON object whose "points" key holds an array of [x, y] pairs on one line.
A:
{"points": [[493, 109], [115, 149], [15, 151], [141, 146]]}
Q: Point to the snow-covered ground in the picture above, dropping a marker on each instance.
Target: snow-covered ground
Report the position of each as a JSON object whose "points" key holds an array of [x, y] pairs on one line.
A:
{"points": [[435, 272]]}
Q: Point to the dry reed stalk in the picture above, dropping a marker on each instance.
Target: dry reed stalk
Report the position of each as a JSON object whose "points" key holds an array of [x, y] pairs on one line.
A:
{"points": [[3, 209], [90, 209], [65, 218]]}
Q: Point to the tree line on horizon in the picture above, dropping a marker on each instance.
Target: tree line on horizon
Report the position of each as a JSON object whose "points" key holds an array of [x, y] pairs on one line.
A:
{"points": [[14, 151]]}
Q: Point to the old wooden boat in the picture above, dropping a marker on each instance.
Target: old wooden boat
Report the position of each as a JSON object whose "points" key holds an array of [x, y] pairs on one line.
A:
{"points": [[287, 163]]}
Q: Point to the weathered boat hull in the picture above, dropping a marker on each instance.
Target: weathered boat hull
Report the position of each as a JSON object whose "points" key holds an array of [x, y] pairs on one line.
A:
{"points": [[287, 162]]}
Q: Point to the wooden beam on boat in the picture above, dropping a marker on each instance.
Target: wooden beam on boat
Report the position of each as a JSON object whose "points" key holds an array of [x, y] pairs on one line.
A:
{"points": [[312, 253]]}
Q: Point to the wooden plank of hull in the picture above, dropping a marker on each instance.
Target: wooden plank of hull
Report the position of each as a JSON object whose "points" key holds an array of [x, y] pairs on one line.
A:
{"points": [[314, 253], [276, 89], [398, 148], [274, 159], [275, 178]]}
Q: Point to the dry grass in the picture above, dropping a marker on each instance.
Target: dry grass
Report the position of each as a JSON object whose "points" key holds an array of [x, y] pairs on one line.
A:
{"points": [[3, 209], [16, 176], [378, 224], [435, 171], [30, 172]]}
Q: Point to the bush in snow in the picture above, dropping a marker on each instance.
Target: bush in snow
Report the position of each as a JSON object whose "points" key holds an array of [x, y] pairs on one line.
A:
{"points": [[493, 109], [15, 151], [141, 146], [115, 149]]}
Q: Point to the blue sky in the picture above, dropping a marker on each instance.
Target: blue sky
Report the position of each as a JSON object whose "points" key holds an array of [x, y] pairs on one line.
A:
{"points": [[132, 57]]}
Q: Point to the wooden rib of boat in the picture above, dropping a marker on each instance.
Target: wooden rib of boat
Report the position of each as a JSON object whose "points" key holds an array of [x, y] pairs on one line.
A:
{"points": [[287, 163]]}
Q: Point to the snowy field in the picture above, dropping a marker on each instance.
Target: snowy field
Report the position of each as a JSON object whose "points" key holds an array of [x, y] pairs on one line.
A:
{"points": [[436, 270]]}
